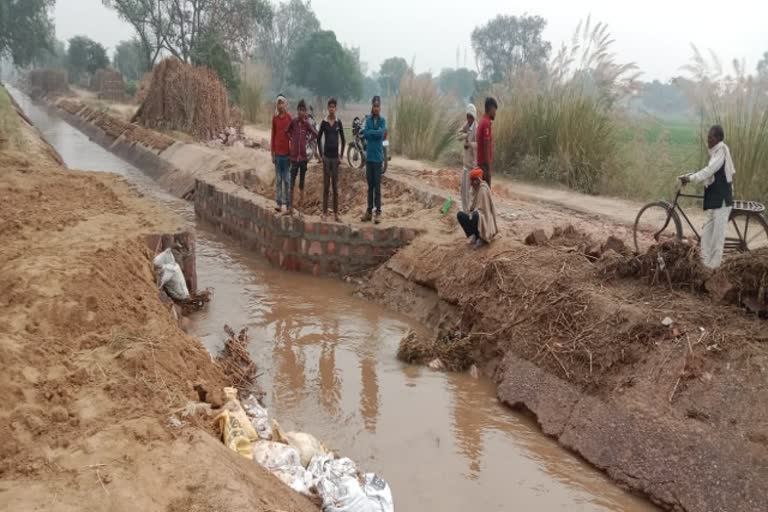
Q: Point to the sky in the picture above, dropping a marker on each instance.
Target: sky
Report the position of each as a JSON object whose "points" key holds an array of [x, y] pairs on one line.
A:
{"points": [[655, 34]]}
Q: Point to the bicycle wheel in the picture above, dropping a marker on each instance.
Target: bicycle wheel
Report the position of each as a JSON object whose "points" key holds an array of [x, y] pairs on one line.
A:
{"points": [[658, 222], [747, 231]]}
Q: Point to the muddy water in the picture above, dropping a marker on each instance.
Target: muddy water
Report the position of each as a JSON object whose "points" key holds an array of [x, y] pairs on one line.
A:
{"points": [[441, 440]]}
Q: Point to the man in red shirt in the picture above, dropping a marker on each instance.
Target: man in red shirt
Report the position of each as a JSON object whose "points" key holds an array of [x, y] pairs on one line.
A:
{"points": [[485, 139], [281, 154]]}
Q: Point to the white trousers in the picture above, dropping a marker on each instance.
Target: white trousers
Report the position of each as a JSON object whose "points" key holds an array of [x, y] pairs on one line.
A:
{"points": [[713, 236], [466, 198]]}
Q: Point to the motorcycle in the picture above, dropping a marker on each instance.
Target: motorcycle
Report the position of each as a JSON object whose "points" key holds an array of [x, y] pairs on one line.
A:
{"points": [[356, 150], [312, 150]]}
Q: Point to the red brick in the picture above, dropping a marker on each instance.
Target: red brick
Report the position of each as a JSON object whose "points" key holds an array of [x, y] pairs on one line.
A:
{"points": [[381, 251], [341, 230], [309, 227], [333, 268], [344, 251], [303, 246], [316, 269], [324, 228], [368, 234], [382, 235], [330, 248], [315, 249], [408, 234], [290, 245], [361, 251]]}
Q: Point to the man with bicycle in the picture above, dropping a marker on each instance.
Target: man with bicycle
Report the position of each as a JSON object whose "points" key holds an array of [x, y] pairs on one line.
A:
{"points": [[717, 177]]}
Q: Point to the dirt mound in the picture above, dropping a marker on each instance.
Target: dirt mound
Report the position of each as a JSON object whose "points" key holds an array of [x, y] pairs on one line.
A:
{"points": [[453, 350], [45, 82], [187, 98], [673, 263], [747, 279]]}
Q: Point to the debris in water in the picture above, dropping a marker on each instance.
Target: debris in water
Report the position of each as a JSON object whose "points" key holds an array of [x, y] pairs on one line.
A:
{"points": [[235, 360], [436, 364]]}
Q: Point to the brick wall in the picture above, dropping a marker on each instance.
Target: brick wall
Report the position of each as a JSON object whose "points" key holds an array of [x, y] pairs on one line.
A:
{"points": [[294, 243]]}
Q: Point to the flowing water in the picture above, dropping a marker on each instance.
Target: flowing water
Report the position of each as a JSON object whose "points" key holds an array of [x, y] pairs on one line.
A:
{"points": [[328, 365]]}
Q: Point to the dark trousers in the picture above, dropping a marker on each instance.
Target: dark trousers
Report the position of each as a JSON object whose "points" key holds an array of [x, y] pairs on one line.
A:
{"points": [[298, 169], [486, 173], [331, 180], [469, 223], [373, 173]]}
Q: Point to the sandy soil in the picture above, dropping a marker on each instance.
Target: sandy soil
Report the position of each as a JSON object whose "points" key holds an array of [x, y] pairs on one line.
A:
{"points": [[94, 363]]}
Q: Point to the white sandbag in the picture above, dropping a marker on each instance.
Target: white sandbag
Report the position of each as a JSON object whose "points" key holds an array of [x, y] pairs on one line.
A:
{"points": [[164, 258], [172, 279], [348, 496], [297, 478], [378, 492], [259, 417], [306, 444], [275, 456]]}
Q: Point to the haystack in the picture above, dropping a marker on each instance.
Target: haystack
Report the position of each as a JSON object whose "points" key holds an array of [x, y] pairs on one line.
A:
{"points": [[187, 98], [45, 82]]}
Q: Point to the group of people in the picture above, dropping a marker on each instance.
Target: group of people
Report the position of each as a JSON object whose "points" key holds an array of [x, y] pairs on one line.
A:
{"points": [[291, 138]]}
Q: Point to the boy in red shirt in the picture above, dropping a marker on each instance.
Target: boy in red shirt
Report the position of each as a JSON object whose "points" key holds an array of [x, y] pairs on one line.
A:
{"points": [[281, 154], [485, 139], [299, 131]]}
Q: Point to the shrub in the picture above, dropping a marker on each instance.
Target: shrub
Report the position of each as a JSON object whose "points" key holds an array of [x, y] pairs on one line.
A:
{"points": [[254, 82], [423, 125]]}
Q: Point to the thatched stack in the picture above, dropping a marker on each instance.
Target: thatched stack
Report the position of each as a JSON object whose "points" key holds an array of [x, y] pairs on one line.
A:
{"points": [[187, 98], [44, 82], [109, 85]]}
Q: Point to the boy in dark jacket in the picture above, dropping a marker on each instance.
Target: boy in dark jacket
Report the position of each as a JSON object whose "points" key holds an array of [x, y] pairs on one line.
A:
{"points": [[331, 142], [299, 132]]}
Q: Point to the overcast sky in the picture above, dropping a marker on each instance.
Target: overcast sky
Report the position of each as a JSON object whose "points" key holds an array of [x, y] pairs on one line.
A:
{"points": [[655, 34]]}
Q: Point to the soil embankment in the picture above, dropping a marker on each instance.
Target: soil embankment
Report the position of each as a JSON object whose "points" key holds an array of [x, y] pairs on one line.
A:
{"points": [[94, 364]]}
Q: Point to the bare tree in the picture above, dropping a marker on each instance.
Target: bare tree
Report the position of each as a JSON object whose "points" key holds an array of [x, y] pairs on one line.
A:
{"points": [[178, 26]]}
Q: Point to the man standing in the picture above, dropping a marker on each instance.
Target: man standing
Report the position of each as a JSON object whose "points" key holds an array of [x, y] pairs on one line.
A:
{"points": [[373, 133], [485, 139], [717, 176], [299, 132], [480, 224], [468, 134], [281, 153], [330, 134]]}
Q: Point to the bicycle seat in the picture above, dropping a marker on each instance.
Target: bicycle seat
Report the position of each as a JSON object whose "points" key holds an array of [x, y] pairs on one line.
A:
{"points": [[749, 206]]}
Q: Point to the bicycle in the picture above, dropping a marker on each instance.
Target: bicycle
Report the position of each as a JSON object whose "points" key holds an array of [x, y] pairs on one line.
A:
{"points": [[744, 215]]}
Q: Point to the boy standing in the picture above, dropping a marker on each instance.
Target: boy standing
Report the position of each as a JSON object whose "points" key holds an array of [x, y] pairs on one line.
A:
{"points": [[485, 139], [299, 131], [281, 153], [331, 143], [373, 132]]}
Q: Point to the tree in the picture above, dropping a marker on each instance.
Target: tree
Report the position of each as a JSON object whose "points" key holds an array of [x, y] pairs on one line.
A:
{"points": [[210, 52], [129, 60], [85, 55], [391, 74], [26, 30], [179, 26], [762, 66], [276, 43], [55, 58], [322, 65], [457, 82], [509, 42]]}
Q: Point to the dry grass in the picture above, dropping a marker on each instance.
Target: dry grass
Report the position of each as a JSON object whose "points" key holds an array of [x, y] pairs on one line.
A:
{"points": [[254, 83], [10, 133], [564, 119], [423, 124]]}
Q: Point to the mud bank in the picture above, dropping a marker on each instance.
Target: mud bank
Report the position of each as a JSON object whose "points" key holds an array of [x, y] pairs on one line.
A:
{"points": [[94, 363], [676, 414]]}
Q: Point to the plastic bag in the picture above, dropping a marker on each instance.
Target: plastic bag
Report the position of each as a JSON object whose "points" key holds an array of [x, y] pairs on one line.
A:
{"points": [[236, 410], [283, 461], [259, 417], [378, 492], [348, 497], [233, 435], [297, 478], [170, 275], [306, 444]]}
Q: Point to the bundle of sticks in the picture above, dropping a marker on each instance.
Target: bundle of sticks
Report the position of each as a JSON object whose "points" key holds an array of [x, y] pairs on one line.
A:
{"points": [[235, 360]]}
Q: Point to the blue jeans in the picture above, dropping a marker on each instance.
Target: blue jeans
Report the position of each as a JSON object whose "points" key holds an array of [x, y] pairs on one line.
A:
{"points": [[283, 180], [373, 173]]}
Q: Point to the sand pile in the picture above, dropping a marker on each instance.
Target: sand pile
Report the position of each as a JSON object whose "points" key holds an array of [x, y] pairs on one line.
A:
{"points": [[185, 98]]}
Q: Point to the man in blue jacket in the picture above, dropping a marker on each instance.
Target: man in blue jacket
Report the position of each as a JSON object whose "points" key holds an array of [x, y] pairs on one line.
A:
{"points": [[373, 133]]}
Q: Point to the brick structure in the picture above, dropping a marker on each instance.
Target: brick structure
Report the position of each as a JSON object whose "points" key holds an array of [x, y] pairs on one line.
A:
{"points": [[294, 243]]}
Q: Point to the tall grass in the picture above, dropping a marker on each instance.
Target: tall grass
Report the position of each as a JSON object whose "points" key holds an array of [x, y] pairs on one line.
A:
{"points": [[565, 116], [254, 82], [738, 102], [423, 124], [10, 132]]}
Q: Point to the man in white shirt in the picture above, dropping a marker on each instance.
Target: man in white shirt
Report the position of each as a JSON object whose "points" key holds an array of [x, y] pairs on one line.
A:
{"points": [[717, 177]]}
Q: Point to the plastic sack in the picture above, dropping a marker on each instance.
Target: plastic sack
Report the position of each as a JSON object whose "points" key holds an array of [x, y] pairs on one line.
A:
{"points": [[283, 461], [348, 497], [297, 478], [236, 410], [378, 492], [233, 435], [259, 417], [306, 444], [170, 275]]}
